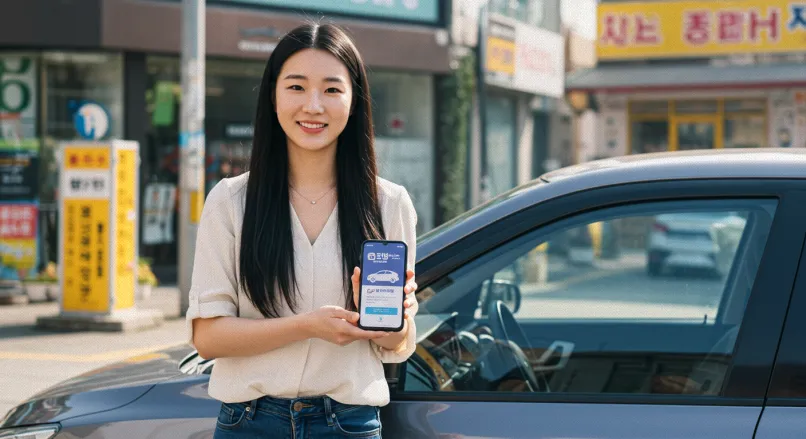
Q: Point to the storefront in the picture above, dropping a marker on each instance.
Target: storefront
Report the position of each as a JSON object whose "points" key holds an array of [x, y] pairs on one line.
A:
{"points": [[404, 54], [524, 73], [675, 77], [47, 97], [125, 77]]}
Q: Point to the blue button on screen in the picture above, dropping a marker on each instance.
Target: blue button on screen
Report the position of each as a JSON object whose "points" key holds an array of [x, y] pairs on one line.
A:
{"points": [[381, 311]]}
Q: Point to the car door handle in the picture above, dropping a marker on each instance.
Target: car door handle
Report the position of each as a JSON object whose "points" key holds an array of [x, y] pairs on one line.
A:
{"points": [[561, 350]]}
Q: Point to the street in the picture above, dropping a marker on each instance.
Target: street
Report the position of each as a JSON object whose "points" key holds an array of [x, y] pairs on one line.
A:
{"points": [[33, 360], [621, 289]]}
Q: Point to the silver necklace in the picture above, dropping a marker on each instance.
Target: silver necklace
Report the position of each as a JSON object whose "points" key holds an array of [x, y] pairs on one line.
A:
{"points": [[312, 201]]}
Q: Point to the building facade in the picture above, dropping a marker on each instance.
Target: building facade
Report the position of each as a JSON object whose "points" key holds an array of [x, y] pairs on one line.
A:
{"points": [[123, 56], [676, 75], [519, 110]]}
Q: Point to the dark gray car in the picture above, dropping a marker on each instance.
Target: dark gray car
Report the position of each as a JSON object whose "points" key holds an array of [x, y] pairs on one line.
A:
{"points": [[538, 317]]}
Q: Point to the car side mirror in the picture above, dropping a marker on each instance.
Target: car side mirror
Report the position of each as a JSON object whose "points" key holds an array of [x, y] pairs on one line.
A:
{"points": [[503, 290]]}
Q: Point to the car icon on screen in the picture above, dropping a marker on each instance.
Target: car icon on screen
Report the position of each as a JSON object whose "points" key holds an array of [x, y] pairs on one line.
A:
{"points": [[383, 276]]}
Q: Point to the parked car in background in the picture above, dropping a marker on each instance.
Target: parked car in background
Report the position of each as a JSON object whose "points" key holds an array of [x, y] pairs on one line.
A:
{"points": [[686, 241], [600, 352]]}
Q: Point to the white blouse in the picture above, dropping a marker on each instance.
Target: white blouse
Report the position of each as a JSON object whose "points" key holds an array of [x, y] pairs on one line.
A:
{"points": [[351, 374]]}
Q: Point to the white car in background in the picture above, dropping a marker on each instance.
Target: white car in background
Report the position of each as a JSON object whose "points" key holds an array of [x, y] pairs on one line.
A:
{"points": [[697, 240]]}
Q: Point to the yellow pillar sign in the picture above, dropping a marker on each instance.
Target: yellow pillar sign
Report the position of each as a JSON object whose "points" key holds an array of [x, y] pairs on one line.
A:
{"points": [[98, 238]]}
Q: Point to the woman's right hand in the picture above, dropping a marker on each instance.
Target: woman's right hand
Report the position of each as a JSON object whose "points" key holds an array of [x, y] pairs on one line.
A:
{"points": [[338, 326]]}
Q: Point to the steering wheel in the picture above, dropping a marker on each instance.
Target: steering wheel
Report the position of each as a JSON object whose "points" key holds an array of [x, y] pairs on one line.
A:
{"points": [[507, 330]]}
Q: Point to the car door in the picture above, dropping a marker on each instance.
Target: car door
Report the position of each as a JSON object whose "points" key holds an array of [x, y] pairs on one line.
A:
{"points": [[551, 323], [784, 415]]}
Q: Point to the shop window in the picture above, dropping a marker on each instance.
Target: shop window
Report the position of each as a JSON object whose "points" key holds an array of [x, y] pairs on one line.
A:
{"points": [[403, 111], [232, 93], [745, 131], [501, 144], [649, 136], [696, 135], [232, 88], [74, 80]]}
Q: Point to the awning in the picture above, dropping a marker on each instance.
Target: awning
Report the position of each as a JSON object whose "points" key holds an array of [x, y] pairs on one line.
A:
{"points": [[683, 77]]}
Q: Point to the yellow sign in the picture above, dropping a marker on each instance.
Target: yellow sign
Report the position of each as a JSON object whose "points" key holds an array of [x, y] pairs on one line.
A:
{"points": [[86, 278], [98, 252], [500, 55], [125, 215], [631, 30], [86, 157]]}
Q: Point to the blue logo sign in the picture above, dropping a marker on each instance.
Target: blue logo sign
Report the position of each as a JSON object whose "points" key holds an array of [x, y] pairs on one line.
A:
{"points": [[91, 121]]}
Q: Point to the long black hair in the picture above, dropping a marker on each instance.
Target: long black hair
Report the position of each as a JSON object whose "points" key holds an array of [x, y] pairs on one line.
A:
{"points": [[267, 246]]}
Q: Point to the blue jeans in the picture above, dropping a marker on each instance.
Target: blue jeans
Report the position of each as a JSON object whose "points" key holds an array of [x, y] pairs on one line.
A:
{"points": [[313, 418]]}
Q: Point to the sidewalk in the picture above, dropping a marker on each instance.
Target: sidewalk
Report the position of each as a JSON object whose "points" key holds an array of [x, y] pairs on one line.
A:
{"points": [[33, 360]]}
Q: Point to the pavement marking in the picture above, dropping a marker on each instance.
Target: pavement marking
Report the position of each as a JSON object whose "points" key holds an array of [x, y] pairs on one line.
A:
{"points": [[86, 358]]}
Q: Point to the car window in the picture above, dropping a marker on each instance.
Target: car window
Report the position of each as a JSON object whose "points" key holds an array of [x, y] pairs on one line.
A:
{"points": [[638, 299]]}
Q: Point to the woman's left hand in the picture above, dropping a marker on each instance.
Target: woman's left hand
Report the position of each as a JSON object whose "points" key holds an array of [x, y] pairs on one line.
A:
{"points": [[408, 290]]}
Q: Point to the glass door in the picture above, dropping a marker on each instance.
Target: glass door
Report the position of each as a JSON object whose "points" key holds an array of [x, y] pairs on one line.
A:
{"points": [[695, 132]]}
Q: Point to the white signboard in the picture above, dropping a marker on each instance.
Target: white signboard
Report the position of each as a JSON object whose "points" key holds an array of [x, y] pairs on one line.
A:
{"points": [[539, 61], [95, 184]]}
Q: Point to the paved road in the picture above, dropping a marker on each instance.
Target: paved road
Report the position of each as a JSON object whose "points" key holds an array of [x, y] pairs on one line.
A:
{"points": [[622, 289], [32, 360]]}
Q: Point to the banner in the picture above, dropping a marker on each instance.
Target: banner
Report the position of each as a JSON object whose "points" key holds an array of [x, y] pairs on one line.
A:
{"points": [[18, 236], [630, 30]]}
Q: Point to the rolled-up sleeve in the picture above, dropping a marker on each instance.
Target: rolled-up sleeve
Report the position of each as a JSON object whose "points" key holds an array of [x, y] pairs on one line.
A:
{"points": [[402, 226], [213, 290]]}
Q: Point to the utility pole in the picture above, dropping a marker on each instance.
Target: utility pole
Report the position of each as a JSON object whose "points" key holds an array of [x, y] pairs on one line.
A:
{"points": [[481, 87], [191, 140]]}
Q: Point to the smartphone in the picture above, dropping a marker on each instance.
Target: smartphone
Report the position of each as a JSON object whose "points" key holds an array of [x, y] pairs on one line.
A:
{"points": [[383, 276]]}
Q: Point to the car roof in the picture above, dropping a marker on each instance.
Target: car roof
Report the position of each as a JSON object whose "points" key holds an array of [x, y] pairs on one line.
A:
{"points": [[761, 163], [678, 165]]}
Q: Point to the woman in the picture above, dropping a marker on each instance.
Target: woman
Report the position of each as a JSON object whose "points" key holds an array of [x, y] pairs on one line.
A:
{"points": [[275, 280]]}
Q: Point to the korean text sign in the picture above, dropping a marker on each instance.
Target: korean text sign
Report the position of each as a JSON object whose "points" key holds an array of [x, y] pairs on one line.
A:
{"points": [[699, 28], [97, 252], [18, 235]]}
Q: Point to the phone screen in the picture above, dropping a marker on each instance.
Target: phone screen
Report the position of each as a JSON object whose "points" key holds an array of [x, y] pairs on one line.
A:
{"points": [[383, 276]]}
